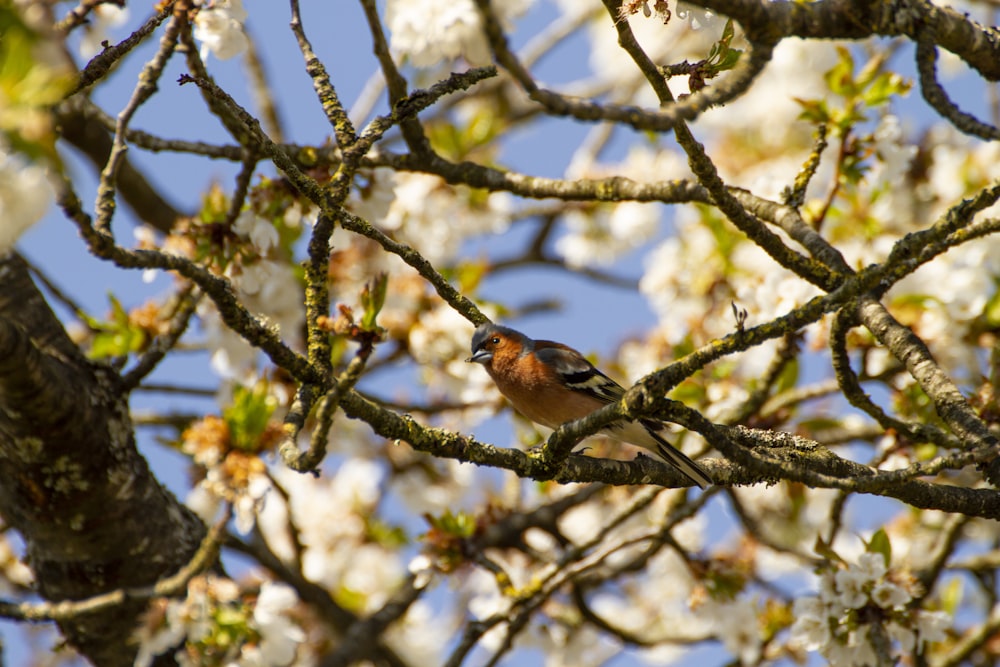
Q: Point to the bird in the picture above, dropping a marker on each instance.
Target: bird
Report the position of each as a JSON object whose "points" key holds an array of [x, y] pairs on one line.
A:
{"points": [[551, 384]]}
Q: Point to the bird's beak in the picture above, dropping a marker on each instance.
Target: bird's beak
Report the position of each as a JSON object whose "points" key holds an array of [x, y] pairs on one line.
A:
{"points": [[481, 357]]}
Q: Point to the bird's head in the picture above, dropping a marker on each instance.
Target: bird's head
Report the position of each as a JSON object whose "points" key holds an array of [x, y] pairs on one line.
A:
{"points": [[490, 338]]}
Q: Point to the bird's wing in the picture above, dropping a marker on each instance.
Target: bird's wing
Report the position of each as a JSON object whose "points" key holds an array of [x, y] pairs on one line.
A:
{"points": [[579, 374]]}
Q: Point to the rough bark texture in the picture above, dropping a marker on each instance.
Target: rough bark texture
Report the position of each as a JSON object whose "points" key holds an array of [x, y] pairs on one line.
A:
{"points": [[71, 480]]}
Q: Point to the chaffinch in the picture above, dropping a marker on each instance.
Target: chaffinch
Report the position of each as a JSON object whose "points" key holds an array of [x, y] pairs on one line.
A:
{"points": [[551, 384]]}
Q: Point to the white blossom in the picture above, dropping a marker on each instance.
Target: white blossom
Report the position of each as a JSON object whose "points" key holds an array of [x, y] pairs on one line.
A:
{"points": [[600, 237], [769, 110], [430, 31], [272, 638], [280, 637], [439, 342], [156, 641], [895, 156], [906, 637], [831, 625], [249, 502], [582, 646], [486, 599], [25, 195], [425, 211], [932, 626], [697, 17], [260, 231], [204, 503], [811, 629], [737, 627], [851, 587], [219, 28], [453, 485], [266, 287], [422, 569], [331, 515], [417, 635], [889, 595], [671, 280]]}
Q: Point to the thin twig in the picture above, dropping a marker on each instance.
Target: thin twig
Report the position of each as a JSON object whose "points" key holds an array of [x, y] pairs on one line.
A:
{"points": [[187, 301]]}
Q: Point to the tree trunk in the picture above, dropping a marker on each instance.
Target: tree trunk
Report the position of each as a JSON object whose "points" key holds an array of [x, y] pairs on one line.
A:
{"points": [[72, 482]]}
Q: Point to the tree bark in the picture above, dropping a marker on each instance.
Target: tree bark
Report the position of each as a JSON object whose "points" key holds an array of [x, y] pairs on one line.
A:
{"points": [[93, 517]]}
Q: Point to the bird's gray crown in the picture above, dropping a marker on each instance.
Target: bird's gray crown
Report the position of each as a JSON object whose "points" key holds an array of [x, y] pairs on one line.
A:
{"points": [[487, 329]]}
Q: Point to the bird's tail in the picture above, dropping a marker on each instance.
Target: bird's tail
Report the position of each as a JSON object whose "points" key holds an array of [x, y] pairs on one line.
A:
{"points": [[679, 460]]}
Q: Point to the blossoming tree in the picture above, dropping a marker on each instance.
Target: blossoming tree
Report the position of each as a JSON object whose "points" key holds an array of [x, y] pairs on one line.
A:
{"points": [[808, 241]]}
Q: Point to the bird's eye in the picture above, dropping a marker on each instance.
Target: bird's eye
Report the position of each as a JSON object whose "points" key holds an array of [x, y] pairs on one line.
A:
{"points": [[496, 340]]}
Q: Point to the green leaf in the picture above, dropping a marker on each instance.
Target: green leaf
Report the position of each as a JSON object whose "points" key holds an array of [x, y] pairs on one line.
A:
{"points": [[350, 599], [951, 596], [721, 57], [727, 33], [788, 377], [884, 87], [385, 534], [116, 344], [372, 300], [814, 111], [729, 60], [461, 525], [29, 86], [117, 337], [991, 312], [824, 550], [118, 312], [879, 544], [840, 77], [248, 415]]}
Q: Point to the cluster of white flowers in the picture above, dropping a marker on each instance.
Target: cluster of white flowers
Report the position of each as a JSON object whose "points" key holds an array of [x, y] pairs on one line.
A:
{"points": [[956, 287], [431, 31], [671, 41], [219, 28], [206, 498], [684, 273], [331, 516], [834, 625], [439, 341], [426, 213], [603, 236], [954, 291], [260, 231], [737, 625], [266, 287], [795, 523], [655, 603], [680, 273], [260, 633], [768, 113], [895, 155], [25, 195]]}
